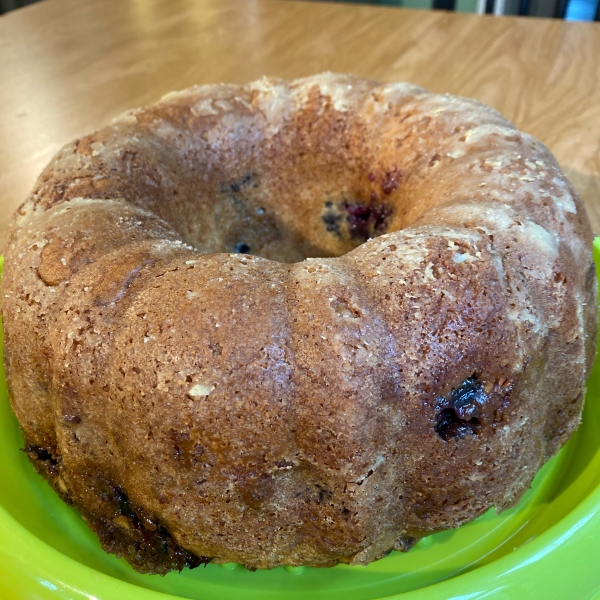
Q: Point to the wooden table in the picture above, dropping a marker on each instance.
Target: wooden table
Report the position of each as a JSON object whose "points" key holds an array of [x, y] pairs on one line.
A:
{"points": [[69, 66]]}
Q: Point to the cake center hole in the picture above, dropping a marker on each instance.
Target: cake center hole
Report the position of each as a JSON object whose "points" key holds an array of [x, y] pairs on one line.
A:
{"points": [[249, 214], [342, 226], [338, 226]]}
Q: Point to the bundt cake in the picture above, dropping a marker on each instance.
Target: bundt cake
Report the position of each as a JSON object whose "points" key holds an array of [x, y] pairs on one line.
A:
{"points": [[296, 323]]}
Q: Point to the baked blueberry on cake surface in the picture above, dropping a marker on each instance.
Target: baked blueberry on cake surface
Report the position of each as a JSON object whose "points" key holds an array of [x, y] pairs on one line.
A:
{"points": [[296, 322]]}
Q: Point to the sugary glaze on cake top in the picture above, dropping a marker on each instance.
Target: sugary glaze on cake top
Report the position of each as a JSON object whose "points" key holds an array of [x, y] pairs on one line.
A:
{"points": [[297, 322]]}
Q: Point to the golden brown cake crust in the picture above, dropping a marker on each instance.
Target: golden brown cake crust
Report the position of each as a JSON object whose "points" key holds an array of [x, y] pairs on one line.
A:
{"points": [[200, 389]]}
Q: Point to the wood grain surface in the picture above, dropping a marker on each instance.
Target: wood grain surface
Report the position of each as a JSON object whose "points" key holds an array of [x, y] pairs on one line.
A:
{"points": [[68, 66]]}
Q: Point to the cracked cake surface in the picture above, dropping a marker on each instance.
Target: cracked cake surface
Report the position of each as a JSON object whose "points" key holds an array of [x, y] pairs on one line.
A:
{"points": [[296, 322]]}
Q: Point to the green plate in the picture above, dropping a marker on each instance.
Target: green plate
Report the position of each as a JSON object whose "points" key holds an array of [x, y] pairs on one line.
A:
{"points": [[546, 547]]}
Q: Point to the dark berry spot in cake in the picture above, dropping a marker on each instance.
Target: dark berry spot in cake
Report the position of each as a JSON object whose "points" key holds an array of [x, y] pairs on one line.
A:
{"points": [[391, 180], [124, 504], [40, 454], [467, 398], [358, 221], [458, 413], [366, 220], [332, 220], [241, 248], [248, 180], [43, 459], [449, 426]]}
